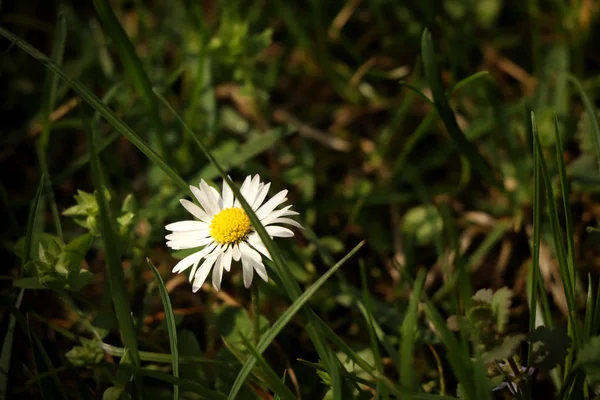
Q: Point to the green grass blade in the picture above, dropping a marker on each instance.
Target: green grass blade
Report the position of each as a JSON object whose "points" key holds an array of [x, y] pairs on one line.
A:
{"points": [[271, 379], [536, 282], [408, 328], [270, 335], [7, 343], [101, 108], [116, 277], [170, 321], [434, 79], [564, 184], [558, 241], [51, 80], [369, 318], [51, 387], [134, 69], [184, 384], [31, 220], [593, 114], [289, 283], [467, 81], [589, 310]]}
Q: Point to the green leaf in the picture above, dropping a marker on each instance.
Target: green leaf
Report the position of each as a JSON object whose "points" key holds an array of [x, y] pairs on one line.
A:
{"points": [[75, 252], [112, 393], [549, 347], [589, 359], [30, 282], [507, 348], [170, 320], [500, 303]]}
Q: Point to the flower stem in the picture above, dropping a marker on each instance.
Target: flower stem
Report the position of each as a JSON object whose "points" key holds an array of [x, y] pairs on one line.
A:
{"points": [[254, 293]]}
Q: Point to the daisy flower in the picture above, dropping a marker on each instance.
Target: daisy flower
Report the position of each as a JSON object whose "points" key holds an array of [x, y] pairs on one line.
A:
{"points": [[225, 232]]}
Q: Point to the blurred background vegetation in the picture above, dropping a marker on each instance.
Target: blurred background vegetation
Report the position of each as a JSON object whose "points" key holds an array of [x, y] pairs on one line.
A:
{"points": [[332, 100]]}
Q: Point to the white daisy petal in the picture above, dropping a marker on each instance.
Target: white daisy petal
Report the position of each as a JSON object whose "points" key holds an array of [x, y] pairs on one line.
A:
{"points": [[252, 190], [260, 269], [189, 235], [217, 273], [202, 253], [279, 231], [227, 257], [259, 246], [235, 251], [243, 189], [204, 201], [211, 196], [260, 197], [250, 252], [270, 205], [283, 212], [227, 195], [247, 270], [183, 226], [186, 262], [288, 221], [203, 272], [195, 210]]}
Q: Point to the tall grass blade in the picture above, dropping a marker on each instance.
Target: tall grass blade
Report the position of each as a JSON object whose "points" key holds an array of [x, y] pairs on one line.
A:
{"points": [[558, 242], [170, 321], [101, 108], [270, 335], [408, 332], [272, 380], [134, 69], [536, 283], [50, 387], [116, 277], [434, 79]]}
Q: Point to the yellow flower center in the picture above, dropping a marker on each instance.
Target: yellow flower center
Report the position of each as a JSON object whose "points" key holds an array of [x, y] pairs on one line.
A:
{"points": [[231, 225]]}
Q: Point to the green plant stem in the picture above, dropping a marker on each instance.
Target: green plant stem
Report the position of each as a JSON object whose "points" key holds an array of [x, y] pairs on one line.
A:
{"points": [[255, 298]]}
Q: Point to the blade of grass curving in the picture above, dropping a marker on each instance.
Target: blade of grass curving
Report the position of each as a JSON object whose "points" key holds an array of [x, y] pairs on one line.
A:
{"points": [[271, 379], [31, 220], [48, 101], [97, 105], [434, 79], [170, 320], [466, 81], [270, 335], [558, 241], [184, 384], [589, 311], [290, 285], [134, 69], [592, 112], [50, 388], [51, 80], [116, 277], [564, 184], [417, 91], [369, 318], [407, 329], [536, 282]]}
